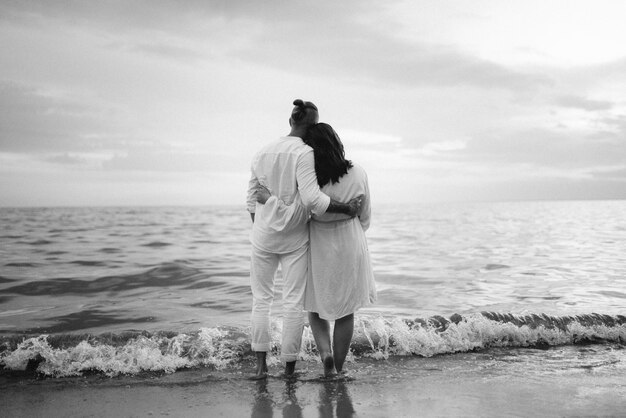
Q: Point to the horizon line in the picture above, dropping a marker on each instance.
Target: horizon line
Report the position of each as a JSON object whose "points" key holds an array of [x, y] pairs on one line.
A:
{"points": [[243, 204]]}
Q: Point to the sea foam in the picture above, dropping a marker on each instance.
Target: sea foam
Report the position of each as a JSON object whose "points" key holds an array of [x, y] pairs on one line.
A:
{"points": [[375, 337]]}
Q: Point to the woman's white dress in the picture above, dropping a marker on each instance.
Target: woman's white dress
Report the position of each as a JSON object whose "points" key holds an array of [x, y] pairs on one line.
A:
{"points": [[340, 279]]}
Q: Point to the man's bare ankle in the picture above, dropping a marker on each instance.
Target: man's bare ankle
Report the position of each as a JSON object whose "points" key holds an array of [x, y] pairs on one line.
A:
{"points": [[261, 365], [290, 367]]}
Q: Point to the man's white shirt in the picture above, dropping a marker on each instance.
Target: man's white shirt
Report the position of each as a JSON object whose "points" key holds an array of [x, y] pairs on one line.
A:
{"points": [[287, 168]]}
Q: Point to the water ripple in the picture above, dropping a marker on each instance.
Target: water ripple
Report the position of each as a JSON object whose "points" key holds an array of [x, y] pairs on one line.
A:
{"points": [[166, 275]]}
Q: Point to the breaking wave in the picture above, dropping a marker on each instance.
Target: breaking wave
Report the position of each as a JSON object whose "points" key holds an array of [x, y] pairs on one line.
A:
{"points": [[375, 337]]}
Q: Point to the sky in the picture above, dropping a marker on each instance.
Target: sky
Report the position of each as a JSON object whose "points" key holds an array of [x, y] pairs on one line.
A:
{"points": [[155, 102]]}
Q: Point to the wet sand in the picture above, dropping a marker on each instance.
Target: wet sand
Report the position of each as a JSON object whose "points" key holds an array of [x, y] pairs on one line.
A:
{"points": [[450, 386]]}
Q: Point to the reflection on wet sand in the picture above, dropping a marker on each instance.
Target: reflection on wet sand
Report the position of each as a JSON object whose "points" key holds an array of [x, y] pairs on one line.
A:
{"points": [[335, 392], [263, 403], [292, 408], [334, 400]]}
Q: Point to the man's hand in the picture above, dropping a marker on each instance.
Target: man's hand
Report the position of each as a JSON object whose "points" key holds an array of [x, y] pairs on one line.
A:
{"points": [[354, 206], [262, 193]]}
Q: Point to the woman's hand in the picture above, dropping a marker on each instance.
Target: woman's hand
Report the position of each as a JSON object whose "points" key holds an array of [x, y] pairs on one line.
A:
{"points": [[262, 193]]}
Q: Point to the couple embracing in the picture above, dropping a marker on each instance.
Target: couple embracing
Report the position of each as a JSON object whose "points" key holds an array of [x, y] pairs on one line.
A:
{"points": [[310, 208]]}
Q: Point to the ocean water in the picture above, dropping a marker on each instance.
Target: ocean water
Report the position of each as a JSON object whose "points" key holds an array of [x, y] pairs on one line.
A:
{"points": [[129, 290]]}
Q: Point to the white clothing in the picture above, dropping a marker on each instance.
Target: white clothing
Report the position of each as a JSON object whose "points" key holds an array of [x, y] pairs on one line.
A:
{"points": [[281, 236], [341, 279], [287, 168], [262, 270]]}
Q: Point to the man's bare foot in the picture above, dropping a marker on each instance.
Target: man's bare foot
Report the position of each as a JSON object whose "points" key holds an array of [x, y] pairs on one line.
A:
{"points": [[290, 368], [261, 366], [261, 373], [258, 376]]}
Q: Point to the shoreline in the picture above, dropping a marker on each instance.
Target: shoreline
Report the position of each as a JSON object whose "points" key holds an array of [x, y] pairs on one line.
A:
{"points": [[470, 384]]}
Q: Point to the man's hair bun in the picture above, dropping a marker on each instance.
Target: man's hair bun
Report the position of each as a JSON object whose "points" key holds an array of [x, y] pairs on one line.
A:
{"points": [[300, 110]]}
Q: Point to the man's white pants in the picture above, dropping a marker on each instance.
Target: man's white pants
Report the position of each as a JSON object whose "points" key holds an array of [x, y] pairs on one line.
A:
{"points": [[262, 271]]}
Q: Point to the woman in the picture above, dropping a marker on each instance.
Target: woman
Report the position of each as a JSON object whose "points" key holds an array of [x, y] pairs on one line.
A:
{"points": [[340, 279]]}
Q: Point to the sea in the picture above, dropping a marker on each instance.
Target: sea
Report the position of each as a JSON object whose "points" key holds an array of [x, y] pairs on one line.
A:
{"points": [[130, 290]]}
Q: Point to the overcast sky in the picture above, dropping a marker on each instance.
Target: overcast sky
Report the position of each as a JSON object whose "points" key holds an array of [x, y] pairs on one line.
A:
{"points": [[165, 102]]}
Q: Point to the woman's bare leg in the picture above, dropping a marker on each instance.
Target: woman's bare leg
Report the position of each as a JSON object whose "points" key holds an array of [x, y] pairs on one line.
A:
{"points": [[321, 333], [342, 336]]}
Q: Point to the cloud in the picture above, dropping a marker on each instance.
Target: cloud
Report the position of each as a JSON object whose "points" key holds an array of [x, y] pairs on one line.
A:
{"points": [[118, 14], [442, 147], [616, 125], [98, 88], [610, 173], [608, 72], [352, 41], [583, 103], [162, 50], [563, 149], [154, 160], [65, 159], [361, 53], [168, 159], [44, 120], [171, 13]]}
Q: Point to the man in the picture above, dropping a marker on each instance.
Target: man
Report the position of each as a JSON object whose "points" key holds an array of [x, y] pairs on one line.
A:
{"points": [[287, 168]]}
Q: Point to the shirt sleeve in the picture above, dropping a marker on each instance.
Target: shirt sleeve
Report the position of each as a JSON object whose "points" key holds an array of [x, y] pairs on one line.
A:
{"points": [[284, 217], [312, 197], [366, 208], [252, 185]]}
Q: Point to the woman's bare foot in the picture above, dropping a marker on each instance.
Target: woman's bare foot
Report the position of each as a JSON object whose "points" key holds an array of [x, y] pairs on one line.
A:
{"points": [[329, 366]]}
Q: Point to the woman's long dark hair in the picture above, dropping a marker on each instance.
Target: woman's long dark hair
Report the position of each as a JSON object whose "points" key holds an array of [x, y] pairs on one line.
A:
{"points": [[330, 161]]}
